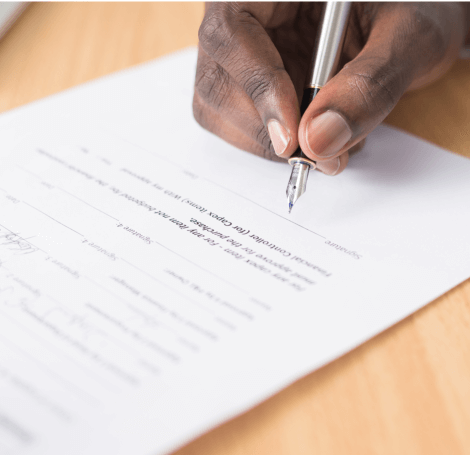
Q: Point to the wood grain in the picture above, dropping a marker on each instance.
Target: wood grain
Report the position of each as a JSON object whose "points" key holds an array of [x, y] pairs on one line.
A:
{"points": [[55, 46], [405, 391]]}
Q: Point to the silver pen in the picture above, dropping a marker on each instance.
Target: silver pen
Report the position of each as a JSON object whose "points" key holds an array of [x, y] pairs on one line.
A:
{"points": [[328, 47]]}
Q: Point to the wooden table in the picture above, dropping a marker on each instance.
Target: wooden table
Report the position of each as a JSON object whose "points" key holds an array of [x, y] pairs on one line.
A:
{"points": [[407, 391]]}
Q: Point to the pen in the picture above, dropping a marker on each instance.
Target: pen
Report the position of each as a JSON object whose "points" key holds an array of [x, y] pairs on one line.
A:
{"points": [[325, 59]]}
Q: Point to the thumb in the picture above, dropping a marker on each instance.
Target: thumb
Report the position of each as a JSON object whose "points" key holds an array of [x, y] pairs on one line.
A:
{"points": [[363, 93], [348, 108]]}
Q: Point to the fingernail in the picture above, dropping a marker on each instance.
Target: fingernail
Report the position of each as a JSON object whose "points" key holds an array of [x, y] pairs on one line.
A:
{"points": [[327, 134], [279, 137]]}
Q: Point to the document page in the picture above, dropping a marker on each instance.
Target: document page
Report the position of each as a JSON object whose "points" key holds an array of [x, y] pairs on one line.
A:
{"points": [[153, 284]]}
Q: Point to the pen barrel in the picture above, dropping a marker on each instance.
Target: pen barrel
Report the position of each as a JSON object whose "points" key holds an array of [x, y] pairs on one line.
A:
{"points": [[328, 47], [329, 43]]}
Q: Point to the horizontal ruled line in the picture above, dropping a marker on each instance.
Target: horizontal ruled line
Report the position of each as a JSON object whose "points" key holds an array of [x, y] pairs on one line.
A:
{"points": [[53, 219], [86, 203]]}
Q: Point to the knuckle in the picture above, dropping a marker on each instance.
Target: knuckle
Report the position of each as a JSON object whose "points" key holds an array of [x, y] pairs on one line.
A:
{"points": [[215, 31], [213, 84], [258, 83], [378, 87]]}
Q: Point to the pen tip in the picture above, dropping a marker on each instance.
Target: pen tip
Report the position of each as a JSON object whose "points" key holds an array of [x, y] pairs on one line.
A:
{"points": [[290, 206]]}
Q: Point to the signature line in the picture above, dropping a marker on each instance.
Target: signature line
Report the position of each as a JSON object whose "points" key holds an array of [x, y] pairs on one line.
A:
{"points": [[40, 211]]}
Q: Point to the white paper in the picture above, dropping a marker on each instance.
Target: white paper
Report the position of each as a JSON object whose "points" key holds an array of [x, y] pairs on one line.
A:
{"points": [[153, 285]]}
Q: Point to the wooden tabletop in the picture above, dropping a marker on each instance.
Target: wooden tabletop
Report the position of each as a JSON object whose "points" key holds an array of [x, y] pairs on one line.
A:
{"points": [[407, 391]]}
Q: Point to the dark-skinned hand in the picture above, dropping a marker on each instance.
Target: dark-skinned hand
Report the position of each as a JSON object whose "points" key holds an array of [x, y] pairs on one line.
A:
{"points": [[253, 58]]}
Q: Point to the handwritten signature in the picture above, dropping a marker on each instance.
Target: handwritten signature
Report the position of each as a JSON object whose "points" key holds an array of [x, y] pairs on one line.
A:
{"points": [[14, 242]]}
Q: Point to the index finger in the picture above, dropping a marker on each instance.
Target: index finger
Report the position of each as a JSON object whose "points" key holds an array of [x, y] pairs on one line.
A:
{"points": [[234, 37]]}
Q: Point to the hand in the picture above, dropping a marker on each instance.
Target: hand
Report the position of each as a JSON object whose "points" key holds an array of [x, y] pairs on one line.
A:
{"points": [[253, 58]]}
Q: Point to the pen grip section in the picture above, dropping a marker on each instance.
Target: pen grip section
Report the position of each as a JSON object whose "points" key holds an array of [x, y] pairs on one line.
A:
{"points": [[309, 94], [307, 98]]}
